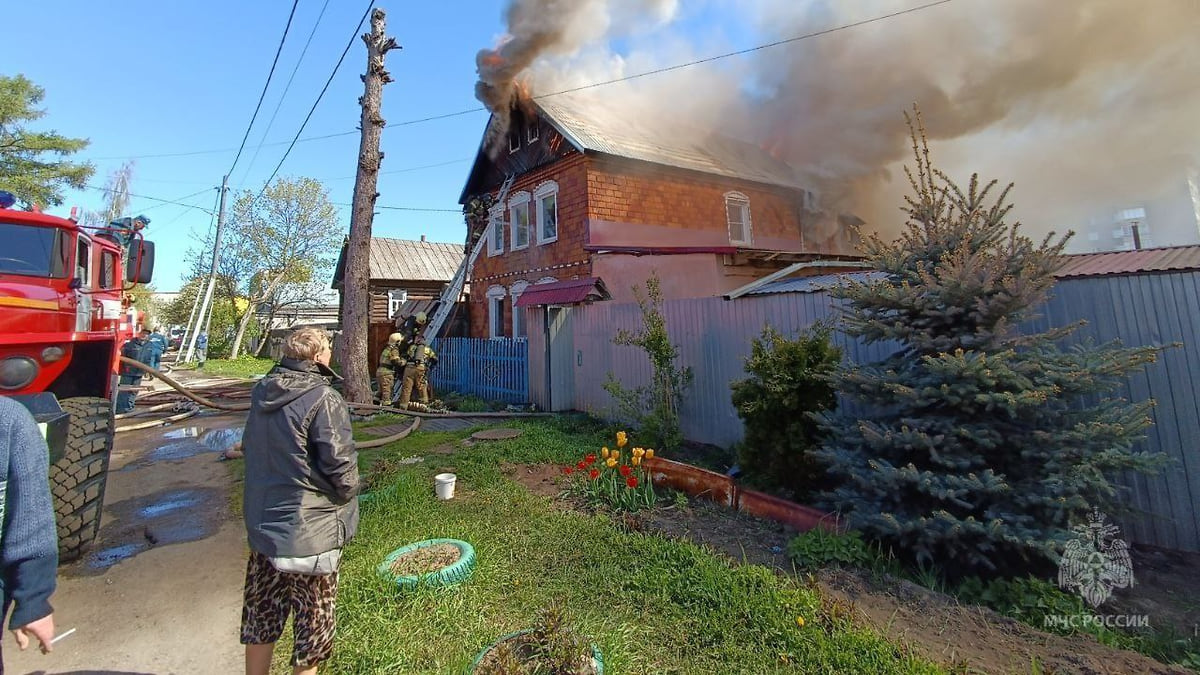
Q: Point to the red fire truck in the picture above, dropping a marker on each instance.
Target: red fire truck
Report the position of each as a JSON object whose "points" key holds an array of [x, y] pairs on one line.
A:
{"points": [[64, 315]]}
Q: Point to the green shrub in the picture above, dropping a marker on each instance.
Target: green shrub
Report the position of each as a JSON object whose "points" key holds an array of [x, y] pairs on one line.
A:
{"points": [[819, 548], [788, 380]]}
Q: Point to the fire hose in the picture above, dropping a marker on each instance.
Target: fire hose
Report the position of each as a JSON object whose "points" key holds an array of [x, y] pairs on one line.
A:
{"points": [[242, 407]]}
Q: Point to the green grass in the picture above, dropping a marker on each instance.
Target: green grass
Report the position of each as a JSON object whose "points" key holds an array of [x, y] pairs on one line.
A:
{"points": [[245, 367], [653, 605]]}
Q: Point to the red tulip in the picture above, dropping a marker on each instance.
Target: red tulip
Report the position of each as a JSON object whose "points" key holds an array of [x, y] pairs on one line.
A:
{"points": [[594, 474], [581, 466], [626, 470], [567, 470], [590, 459], [631, 482]]}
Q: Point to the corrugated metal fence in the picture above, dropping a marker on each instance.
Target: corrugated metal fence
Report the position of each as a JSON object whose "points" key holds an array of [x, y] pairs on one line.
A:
{"points": [[714, 338], [496, 370]]}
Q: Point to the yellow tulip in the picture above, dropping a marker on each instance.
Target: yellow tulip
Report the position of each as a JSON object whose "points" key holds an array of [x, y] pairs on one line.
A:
{"points": [[604, 452], [636, 461], [621, 439], [638, 452], [611, 462], [649, 453], [800, 621]]}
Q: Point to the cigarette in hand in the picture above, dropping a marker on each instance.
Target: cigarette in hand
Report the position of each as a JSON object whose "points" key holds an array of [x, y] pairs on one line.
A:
{"points": [[62, 635]]}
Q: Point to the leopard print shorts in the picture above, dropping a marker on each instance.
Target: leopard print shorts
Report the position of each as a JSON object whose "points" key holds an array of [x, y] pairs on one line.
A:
{"points": [[270, 595]]}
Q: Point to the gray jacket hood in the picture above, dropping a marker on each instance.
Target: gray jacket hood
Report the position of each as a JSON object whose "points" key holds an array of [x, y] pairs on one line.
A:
{"points": [[288, 381]]}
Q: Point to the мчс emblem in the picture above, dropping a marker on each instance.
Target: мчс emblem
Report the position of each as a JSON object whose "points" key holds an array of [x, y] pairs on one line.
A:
{"points": [[1094, 562]]}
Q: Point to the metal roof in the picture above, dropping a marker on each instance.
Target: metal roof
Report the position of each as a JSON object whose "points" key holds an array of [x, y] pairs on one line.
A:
{"points": [[1174, 258], [822, 282], [594, 123], [408, 260], [569, 292]]}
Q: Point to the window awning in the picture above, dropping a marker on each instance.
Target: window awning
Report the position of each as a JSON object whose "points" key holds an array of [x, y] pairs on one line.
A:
{"points": [[570, 292]]}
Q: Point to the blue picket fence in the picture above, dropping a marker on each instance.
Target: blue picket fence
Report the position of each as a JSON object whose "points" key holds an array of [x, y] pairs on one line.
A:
{"points": [[496, 370]]}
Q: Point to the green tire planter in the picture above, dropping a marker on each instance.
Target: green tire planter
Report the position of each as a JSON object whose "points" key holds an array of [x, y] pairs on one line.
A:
{"points": [[454, 573], [597, 657]]}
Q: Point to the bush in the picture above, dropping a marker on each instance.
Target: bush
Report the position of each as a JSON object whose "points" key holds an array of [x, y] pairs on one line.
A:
{"points": [[819, 548], [789, 379], [653, 410]]}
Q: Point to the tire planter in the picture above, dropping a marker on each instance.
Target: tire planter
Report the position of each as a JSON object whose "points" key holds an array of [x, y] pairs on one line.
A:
{"points": [[455, 573], [597, 657]]}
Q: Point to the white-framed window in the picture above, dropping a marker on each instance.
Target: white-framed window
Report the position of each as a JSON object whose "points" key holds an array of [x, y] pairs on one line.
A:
{"points": [[518, 319], [514, 139], [495, 301], [545, 199], [737, 214], [496, 230], [545, 280], [518, 212], [531, 130], [396, 299]]}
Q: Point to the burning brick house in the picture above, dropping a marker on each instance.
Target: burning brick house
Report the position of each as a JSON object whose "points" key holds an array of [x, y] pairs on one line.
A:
{"points": [[599, 202]]}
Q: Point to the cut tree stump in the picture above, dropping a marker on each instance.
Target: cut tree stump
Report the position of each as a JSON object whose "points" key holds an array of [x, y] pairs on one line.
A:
{"points": [[496, 434]]}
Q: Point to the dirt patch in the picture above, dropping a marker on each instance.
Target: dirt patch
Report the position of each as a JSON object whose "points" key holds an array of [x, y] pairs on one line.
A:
{"points": [[966, 638], [1166, 589], [516, 656], [541, 479], [498, 434], [426, 559]]}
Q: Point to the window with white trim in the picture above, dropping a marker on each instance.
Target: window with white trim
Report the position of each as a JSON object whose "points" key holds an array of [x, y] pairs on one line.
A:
{"points": [[495, 301], [737, 214], [518, 312], [545, 198], [514, 139], [531, 130], [546, 280], [518, 211], [496, 230]]}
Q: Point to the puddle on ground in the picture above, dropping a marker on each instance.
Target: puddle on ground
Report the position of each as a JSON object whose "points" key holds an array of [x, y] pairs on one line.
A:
{"points": [[189, 442], [134, 526]]}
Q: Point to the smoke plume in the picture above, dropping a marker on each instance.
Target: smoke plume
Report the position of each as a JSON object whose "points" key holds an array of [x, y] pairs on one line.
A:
{"points": [[1089, 106]]}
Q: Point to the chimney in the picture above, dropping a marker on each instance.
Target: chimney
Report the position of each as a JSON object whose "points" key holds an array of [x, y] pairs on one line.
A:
{"points": [[1137, 237], [423, 236]]}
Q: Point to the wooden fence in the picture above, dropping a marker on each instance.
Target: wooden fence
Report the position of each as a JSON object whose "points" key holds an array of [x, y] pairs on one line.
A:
{"points": [[496, 370]]}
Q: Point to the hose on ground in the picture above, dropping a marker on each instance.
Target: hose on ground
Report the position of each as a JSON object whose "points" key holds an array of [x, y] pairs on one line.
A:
{"points": [[380, 442], [158, 422]]}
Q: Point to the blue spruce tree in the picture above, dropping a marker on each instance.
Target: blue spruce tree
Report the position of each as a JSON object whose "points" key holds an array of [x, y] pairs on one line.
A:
{"points": [[980, 444]]}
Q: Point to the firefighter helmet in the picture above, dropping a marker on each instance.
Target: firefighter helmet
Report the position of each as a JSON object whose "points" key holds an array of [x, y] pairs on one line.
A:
{"points": [[394, 338], [421, 318]]}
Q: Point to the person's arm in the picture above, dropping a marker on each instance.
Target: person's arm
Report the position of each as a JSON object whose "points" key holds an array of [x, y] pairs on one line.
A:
{"points": [[29, 552], [331, 437]]}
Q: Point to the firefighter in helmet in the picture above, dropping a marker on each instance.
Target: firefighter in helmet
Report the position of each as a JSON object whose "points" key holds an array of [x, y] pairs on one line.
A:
{"points": [[391, 360], [420, 360]]}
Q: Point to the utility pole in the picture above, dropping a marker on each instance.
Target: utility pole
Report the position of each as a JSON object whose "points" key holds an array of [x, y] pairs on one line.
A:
{"points": [[206, 305], [356, 312]]}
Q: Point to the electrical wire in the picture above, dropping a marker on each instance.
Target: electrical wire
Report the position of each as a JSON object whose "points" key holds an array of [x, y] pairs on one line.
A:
{"points": [[407, 170], [404, 208], [176, 202], [593, 85], [317, 102], [287, 87], [266, 85]]}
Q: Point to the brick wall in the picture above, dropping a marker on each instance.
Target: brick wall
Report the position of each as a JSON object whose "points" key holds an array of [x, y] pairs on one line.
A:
{"points": [[562, 259], [688, 208]]}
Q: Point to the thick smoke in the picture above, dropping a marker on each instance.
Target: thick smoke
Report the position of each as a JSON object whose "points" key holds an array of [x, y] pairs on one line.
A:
{"points": [[1089, 106]]}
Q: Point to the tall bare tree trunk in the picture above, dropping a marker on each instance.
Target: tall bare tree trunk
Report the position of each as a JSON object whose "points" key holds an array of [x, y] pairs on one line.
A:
{"points": [[251, 311], [357, 310]]}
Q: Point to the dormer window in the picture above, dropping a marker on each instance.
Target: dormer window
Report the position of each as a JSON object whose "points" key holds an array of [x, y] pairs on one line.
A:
{"points": [[737, 215], [531, 131], [514, 139]]}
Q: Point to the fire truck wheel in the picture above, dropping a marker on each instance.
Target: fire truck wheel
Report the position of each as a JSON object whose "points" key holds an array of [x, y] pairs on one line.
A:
{"points": [[78, 479]]}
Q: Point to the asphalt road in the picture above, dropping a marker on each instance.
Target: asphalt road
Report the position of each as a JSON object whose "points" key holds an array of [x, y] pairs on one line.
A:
{"points": [[160, 592]]}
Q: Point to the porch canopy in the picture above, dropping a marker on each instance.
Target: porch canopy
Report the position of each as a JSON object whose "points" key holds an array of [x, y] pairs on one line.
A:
{"points": [[569, 292]]}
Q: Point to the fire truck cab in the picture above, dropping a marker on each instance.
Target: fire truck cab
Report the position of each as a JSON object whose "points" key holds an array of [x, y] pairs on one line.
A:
{"points": [[64, 315]]}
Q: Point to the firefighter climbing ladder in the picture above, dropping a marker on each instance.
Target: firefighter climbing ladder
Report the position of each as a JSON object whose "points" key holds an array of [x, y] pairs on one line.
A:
{"points": [[452, 293]]}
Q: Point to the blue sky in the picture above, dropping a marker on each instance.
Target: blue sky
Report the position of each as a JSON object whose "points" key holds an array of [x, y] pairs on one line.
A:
{"points": [[142, 78]]}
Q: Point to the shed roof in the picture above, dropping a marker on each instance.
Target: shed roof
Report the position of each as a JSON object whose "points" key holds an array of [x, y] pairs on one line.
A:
{"points": [[409, 260], [569, 292], [822, 282], [1168, 259]]}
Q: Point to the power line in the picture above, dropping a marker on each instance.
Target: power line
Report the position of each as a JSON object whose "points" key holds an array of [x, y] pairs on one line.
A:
{"points": [[407, 170], [176, 202], [317, 102], [287, 87], [593, 85], [266, 85], [405, 208]]}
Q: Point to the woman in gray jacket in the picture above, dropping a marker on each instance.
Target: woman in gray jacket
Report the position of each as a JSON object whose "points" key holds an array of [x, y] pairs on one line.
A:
{"points": [[300, 507]]}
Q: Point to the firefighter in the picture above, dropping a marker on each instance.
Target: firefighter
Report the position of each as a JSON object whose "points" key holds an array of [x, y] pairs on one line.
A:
{"points": [[421, 359], [390, 361], [137, 349], [410, 327]]}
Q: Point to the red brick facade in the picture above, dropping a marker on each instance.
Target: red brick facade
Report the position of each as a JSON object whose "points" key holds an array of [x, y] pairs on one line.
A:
{"points": [[612, 202]]}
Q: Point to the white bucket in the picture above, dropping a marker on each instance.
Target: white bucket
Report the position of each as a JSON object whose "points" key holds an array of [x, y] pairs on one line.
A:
{"points": [[443, 483]]}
